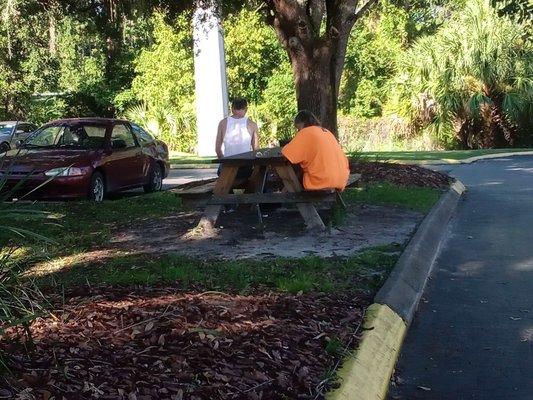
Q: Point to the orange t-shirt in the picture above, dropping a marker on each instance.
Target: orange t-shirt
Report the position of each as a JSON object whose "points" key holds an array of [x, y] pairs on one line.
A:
{"points": [[324, 164]]}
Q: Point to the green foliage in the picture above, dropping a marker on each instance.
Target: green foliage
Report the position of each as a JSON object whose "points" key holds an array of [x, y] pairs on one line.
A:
{"points": [[166, 110], [278, 107], [82, 57], [416, 198], [21, 300], [372, 53], [135, 59], [253, 53], [360, 272], [472, 81], [259, 70]]}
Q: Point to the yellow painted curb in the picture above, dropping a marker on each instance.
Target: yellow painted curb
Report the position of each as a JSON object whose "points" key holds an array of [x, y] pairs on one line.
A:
{"points": [[366, 375]]}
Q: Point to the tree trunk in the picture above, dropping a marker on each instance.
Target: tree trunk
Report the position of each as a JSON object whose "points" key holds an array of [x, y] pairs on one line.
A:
{"points": [[315, 34], [316, 87]]}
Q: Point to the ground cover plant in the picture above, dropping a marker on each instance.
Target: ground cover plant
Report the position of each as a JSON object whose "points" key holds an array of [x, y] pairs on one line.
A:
{"points": [[165, 326]]}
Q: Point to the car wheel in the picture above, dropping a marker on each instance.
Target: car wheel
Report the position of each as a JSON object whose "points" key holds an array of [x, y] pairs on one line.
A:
{"points": [[97, 188], [4, 147], [156, 180]]}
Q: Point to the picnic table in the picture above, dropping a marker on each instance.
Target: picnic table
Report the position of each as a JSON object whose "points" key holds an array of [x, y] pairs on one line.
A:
{"points": [[259, 161]]}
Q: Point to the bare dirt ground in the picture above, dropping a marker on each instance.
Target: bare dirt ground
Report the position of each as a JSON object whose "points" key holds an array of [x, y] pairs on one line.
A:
{"points": [[282, 234]]}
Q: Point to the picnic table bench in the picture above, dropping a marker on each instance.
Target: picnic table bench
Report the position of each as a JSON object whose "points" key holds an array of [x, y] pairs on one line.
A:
{"points": [[259, 161]]}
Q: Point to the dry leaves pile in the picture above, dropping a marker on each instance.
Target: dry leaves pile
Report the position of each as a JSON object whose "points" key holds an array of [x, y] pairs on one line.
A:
{"points": [[166, 344], [400, 174]]}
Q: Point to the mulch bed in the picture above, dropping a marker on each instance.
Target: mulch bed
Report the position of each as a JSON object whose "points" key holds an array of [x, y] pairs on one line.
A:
{"points": [[168, 344], [400, 174]]}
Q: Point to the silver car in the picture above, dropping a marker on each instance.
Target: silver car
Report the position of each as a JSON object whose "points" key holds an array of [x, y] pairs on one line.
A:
{"points": [[12, 132]]}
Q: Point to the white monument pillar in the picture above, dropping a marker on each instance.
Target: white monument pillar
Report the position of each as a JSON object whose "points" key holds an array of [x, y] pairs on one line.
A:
{"points": [[210, 78]]}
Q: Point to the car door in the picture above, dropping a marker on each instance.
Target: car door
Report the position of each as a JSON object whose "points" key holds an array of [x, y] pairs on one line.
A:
{"points": [[124, 161], [147, 143]]}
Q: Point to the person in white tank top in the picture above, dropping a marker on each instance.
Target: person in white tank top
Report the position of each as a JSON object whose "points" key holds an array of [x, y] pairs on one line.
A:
{"points": [[237, 133]]}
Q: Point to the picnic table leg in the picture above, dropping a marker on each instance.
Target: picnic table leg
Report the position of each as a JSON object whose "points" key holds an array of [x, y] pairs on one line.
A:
{"points": [[293, 185], [223, 186], [260, 182]]}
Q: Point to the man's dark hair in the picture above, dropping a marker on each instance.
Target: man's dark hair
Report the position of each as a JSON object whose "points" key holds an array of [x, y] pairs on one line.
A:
{"points": [[239, 103], [307, 118]]}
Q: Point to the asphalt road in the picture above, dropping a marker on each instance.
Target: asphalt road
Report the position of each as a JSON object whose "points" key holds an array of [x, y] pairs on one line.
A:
{"points": [[181, 176], [472, 337]]}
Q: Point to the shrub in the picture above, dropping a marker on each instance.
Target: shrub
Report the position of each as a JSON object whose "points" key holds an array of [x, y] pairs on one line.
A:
{"points": [[161, 97], [471, 82]]}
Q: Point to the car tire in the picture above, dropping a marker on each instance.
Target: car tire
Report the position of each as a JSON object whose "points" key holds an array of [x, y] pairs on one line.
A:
{"points": [[97, 188], [155, 182], [4, 146]]}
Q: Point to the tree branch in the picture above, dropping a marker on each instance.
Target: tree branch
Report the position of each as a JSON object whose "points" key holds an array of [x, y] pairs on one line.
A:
{"points": [[363, 9], [315, 12]]}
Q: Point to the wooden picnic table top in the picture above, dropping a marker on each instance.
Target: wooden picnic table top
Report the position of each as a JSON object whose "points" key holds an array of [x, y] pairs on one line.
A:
{"points": [[267, 156]]}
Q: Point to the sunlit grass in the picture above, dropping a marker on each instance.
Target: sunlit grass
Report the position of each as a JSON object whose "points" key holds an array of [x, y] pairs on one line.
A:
{"points": [[179, 158], [413, 197], [363, 271], [415, 156]]}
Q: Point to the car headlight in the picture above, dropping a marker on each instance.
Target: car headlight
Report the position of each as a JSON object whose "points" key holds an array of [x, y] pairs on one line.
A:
{"points": [[64, 171]]}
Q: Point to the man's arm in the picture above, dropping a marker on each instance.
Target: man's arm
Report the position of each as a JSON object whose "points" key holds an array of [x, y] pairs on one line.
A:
{"points": [[220, 138], [254, 131]]}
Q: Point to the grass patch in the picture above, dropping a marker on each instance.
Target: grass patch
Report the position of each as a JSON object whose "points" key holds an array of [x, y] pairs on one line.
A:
{"points": [[449, 155], [363, 271], [78, 226], [179, 158], [413, 197]]}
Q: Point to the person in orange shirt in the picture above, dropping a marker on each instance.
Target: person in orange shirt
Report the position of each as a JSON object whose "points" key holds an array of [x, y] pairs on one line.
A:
{"points": [[319, 154]]}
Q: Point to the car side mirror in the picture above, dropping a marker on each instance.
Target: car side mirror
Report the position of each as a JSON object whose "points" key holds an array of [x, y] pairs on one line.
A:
{"points": [[19, 143], [117, 144]]}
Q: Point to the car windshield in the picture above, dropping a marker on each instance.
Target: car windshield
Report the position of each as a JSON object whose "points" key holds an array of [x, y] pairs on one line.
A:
{"points": [[80, 136], [6, 129]]}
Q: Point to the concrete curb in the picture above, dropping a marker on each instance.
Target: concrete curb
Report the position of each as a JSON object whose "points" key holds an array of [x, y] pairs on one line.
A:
{"points": [[366, 375]]}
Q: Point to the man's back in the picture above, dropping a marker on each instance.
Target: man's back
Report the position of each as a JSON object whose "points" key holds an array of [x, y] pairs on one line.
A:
{"points": [[321, 157]]}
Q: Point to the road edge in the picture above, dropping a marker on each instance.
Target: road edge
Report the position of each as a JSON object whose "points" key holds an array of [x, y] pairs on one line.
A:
{"points": [[365, 375]]}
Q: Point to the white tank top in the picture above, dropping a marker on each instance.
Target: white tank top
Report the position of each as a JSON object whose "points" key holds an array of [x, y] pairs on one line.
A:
{"points": [[237, 138]]}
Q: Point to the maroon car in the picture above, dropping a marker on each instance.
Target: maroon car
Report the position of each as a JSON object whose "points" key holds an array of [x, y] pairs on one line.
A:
{"points": [[85, 158]]}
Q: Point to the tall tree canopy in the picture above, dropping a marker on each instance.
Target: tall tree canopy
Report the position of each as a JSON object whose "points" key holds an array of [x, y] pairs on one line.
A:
{"points": [[134, 58]]}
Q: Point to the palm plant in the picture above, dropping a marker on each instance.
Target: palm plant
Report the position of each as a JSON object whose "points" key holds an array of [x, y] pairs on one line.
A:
{"points": [[21, 300], [477, 72], [175, 127]]}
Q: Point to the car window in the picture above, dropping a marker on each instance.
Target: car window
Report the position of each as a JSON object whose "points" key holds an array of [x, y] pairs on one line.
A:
{"points": [[83, 136], [6, 128], [144, 137], [29, 128], [25, 128], [121, 132], [45, 137]]}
